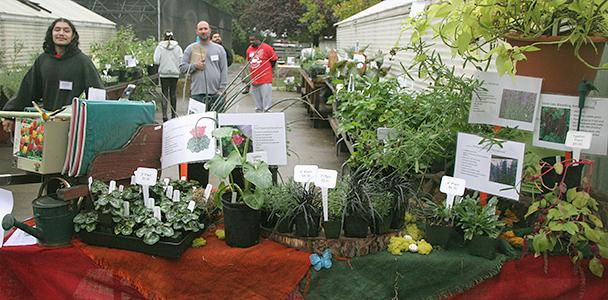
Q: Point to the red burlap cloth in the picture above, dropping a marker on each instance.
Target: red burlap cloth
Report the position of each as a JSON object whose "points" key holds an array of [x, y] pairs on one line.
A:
{"points": [[526, 279], [215, 271]]}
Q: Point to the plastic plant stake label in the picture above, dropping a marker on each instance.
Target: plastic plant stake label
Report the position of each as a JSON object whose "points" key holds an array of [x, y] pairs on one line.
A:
{"points": [[166, 181], [130, 61], [121, 188], [257, 156], [169, 191], [233, 200], [208, 189], [112, 186], [90, 182], [146, 191], [326, 178], [146, 176], [385, 133], [183, 178], [325, 202], [578, 140], [452, 186], [176, 196], [305, 173], [191, 205], [125, 208], [157, 214], [133, 180]]}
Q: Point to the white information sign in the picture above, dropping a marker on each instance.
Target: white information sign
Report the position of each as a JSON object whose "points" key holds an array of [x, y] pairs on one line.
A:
{"points": [[267, 132], [257, 156], [452, 186], [496, 171], [509, 101], [578, 140], [559, 114], [96, 94], [196, 107], [6, 207], [305, 173], [188, 139], [146, 176]]}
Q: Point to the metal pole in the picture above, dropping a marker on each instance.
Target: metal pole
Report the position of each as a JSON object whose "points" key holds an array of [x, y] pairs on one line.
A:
{"points": [[158, 17]]}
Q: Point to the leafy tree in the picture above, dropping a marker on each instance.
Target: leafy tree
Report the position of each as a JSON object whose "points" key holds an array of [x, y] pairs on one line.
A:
{"points": [[345, 9], [278, 16]]}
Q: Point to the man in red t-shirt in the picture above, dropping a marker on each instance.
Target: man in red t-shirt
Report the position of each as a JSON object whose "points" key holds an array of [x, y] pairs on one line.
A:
{"points": [[261, 58]]}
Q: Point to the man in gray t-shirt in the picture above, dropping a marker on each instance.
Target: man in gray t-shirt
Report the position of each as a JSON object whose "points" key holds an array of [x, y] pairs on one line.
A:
{"points": [[206, 63]]}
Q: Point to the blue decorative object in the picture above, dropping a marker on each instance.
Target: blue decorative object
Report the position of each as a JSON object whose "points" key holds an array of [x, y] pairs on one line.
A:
{"points": [[323, 261]]}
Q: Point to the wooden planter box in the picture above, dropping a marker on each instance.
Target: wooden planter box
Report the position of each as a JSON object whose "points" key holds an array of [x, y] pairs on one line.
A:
{"points": [[54, 147]]}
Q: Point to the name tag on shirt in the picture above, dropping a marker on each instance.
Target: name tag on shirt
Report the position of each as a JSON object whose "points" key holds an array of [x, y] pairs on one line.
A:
{"points": [[65, 85], [215, 57]]}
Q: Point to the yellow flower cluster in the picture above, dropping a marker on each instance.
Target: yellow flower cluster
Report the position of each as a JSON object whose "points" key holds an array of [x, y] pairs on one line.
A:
{"points": [[220, 234], [413, 231], [398, 244], [199, 242]]}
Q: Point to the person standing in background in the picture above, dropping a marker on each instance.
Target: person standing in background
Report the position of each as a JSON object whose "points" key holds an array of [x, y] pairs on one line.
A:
{"points": [[261, 58], [205, 62], [217, 38], [58, 75], [167, 56]]}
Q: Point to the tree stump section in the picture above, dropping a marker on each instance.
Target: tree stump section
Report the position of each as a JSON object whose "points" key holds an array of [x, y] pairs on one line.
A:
{"points": [[342, 247]]}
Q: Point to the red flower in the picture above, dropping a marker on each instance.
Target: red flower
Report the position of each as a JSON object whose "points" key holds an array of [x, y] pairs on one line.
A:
{"points": [[198, 132], [237, 139]]}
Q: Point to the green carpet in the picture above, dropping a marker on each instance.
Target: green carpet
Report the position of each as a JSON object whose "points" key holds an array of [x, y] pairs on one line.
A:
{"points": [[410, 276]]}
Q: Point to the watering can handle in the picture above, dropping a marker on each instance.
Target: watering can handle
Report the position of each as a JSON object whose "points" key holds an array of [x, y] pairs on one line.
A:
{"points": [[46, 183]]}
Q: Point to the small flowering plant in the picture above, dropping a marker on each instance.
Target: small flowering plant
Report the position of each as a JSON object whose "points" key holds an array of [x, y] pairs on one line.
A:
{"points": [[256, 174], [199, 141]]}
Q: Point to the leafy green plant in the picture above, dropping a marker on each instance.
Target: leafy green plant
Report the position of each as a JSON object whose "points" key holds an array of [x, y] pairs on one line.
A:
{"points": [[85, 221], [381, 203], [572, 224], [307, 200], [278, 200], [434, 213], [255, 174], [476, 29], [153, 229], [336, 198], [477, 220]]}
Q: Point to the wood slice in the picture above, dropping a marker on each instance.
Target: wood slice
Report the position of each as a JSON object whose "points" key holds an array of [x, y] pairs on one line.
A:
{"points": [[342, 247]]}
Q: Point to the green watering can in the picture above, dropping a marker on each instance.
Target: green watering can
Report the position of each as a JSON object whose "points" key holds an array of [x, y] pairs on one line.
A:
{"points": [[54, 219]]}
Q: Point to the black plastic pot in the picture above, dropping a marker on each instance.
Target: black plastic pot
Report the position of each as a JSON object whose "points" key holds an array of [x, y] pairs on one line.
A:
{"points": [[122, 75], [241, 223], [397, 217], [152, 69], [572, 175], [268, 219], [482, 246], [381, 225], [355, 226], [135, 74], [332, 229], [113, 72], [307, 228], [284, 225], [438, 235]]}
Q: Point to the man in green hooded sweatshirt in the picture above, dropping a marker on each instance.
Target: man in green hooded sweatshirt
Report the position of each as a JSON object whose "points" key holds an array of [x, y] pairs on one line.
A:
{"points": [[58, 75]]}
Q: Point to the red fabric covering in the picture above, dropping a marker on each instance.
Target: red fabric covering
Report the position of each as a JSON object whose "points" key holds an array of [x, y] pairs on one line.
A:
{"points": [[31, 272], [215, 271], [526, 279]]}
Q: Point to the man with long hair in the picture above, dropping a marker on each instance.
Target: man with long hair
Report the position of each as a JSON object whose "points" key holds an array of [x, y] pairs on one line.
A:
{"points": [[58, 75]]}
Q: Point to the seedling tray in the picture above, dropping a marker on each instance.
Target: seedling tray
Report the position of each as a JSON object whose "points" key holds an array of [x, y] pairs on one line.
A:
{"points": [[165, 247]]}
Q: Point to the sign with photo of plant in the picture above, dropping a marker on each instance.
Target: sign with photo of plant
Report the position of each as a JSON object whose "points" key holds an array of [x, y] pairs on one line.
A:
{"points": [[554, 124]]}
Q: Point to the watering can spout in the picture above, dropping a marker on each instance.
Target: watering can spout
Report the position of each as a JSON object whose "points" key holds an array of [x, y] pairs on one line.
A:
{"points": [[9, 221]]}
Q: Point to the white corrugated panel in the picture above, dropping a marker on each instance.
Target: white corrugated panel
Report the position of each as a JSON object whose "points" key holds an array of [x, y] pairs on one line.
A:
{"points": [[23, 25], [58, 9], [381, 31]]}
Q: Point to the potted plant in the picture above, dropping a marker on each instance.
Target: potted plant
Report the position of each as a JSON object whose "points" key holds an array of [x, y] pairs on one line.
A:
{"points": [[336, 200], [439, 221], [569, 223], [307, 211], [568, 33], [240, 202], [357, 210], [278, 204], [381, 204], [481, 225]]}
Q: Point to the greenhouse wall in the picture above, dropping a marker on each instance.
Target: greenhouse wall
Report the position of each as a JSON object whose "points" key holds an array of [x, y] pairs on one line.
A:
{"points": [[23, 28], [381, 27]]}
